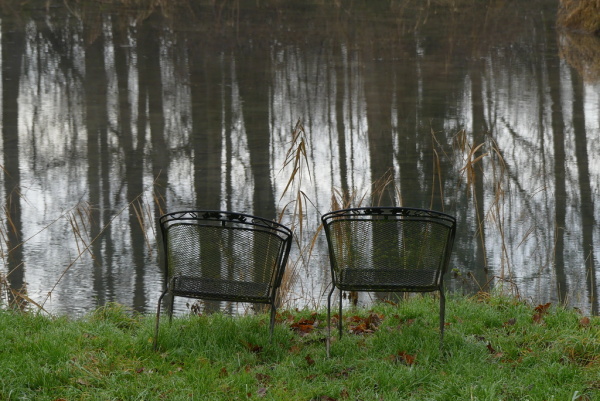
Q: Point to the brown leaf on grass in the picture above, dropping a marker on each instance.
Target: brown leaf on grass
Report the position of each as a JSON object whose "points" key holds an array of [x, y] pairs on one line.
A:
{"points": [[303, 326], [83, 382], [361, 329], [309, 360], [252, 347], [493, 351], [584, 322], [510, 322], [403, 357], [262, 391], [541, 309], [538, 318], [366, 325], [344, 394], [223, 372], [343, 373], [263, 378]]}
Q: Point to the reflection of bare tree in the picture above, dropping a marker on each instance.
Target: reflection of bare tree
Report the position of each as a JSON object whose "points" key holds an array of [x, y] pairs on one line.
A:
{"points": [[96, 117], [253, 71], [132, 151], [480, 130], [13, 47], [205, 89], [585, 191], [558, 127]]}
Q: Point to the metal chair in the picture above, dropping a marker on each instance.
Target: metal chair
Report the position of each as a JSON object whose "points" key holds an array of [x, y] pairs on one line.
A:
{"points": [[392, 249], [222, 256]]}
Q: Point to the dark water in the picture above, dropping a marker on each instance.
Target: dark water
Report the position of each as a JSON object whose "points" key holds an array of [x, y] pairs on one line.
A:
{"points": [[113, 115]]}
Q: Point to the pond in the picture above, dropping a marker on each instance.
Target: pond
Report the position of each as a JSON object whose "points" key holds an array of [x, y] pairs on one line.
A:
{"points": [[114, 114]]}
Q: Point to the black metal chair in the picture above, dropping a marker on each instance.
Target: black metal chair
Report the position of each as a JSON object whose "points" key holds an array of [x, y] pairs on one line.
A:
{"points": [[392, 249], [222, 256]]}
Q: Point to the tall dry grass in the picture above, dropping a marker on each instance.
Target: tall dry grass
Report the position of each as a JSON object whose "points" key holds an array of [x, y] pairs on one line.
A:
{"points": [[579, 15]]}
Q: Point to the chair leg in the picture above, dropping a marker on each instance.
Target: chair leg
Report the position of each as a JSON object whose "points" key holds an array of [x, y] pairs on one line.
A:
{"points": [[340, 316], [329, 319], [272, 321], [442, 316], [171, 306], [155, 343]]}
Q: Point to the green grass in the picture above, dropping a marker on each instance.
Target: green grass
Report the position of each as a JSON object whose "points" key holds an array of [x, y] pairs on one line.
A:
{"points": [[494, 349]]}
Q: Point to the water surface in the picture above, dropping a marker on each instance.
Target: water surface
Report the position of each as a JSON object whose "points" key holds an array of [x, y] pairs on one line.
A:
{"points": [[112, 116]]}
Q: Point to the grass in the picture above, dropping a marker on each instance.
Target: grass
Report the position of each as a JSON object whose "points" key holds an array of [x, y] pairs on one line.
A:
{"points": [[496, 348]]}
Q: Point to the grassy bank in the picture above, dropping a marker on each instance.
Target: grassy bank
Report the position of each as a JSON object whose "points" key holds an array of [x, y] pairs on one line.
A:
{"points": [[495, 348]]}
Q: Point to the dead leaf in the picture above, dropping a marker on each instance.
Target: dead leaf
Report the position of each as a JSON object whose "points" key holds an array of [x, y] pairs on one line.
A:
{"points": [[366, 325], [303, 326], [541, 309], [309, 360], [262, 378], [585, 322], [83, 382], [490, 348], [252, 347], [538, 318], [262, 391], [344, 394], [510, 322], [223, 372], [403, 357]]}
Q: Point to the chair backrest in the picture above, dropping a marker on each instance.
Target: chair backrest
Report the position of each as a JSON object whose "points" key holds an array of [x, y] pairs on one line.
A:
{"points": [[224, 255], [389, 248]]}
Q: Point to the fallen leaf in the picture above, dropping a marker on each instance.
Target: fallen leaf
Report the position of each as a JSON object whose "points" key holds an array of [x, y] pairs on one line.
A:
{"points": [[303, 326], [403, 357], [83, 382], [585, 322], [262, 378], [223, 372], [490, 348], [366, 325], [510, 322], [543, 308], [309, 360], [262, 391], [344, 394], [252, 347]]}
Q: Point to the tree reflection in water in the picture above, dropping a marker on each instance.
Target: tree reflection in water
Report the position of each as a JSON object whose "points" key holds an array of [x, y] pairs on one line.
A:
{"points": [[170, 105]]}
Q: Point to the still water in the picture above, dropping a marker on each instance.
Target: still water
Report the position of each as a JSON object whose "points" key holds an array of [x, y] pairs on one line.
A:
{"points": [[113, 115]]}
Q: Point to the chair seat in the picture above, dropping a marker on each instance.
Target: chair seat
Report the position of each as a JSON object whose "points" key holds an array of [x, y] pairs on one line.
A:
{"points": [[216, 289], [388, 279]]}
